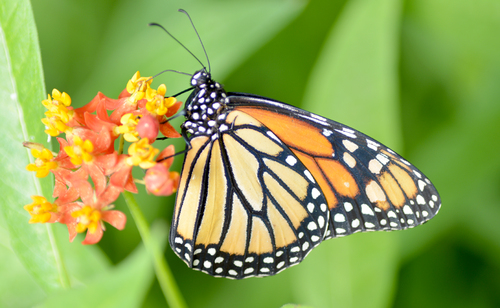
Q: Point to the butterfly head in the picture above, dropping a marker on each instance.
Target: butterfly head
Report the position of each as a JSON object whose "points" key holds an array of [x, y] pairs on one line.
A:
{"points": [[201, 78]]}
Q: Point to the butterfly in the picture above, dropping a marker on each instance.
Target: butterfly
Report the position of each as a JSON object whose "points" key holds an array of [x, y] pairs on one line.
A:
{"points": [[264, 182]]}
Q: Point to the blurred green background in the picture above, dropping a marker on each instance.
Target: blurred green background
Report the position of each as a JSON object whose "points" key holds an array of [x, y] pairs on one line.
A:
{"points": [[421, 76]]}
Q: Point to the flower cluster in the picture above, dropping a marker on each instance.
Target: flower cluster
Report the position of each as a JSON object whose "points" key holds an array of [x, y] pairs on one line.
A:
{"points": [[87, 153]]}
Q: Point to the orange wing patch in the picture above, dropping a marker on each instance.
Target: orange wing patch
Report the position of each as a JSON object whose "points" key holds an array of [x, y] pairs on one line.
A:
{"points": [[340, 178], [302, 135], [313, 167], [392, 189], [404, 180]]}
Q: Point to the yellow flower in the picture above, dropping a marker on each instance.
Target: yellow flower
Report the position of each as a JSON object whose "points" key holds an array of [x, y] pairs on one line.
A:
{"points": [[157, 104], [43, 163], [128, 129], [40, 210], [58, 114], [87, 218], [80, 151], [142, 154], [138, 87]]}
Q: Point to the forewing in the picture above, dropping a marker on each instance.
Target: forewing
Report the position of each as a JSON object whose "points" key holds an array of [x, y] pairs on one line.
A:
{"points": [[367, 186]]}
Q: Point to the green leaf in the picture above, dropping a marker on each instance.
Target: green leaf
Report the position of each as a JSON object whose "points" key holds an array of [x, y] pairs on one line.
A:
{"points": [[21, 90], [124, 285], [355, 79], [355, 82], [295, 306], [17, 287]]}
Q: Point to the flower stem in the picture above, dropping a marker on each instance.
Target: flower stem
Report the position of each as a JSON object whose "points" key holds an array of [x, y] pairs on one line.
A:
{"points": [[163, 274]]}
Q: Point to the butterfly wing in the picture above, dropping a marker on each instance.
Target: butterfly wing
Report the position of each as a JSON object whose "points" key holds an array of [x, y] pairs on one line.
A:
{"points": [[246, 205], [368, 187]]}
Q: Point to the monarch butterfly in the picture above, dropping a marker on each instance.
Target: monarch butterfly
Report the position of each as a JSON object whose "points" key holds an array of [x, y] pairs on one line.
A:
{"points": [[264, 182]]}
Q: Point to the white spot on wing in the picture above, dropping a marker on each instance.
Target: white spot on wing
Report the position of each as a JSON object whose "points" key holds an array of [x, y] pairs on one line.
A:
{"points": [[365, 209], [348, 206], [407, 210], [369, 225], [420, 200], [312, 226], [382, 158], [349, 160], [355, 223], [323, 207], [346, 132], [273, 136], [349, 145], [339, 217], [327, 132], [310, 207], [315, 193], [321, 221], [219, 260], [372, 144], [269, 260], [291, 160], [375, 166], [421, 185], [309, 176]]}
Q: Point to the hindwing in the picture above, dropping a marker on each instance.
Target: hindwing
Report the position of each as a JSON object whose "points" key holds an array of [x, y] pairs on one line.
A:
{"points": [[246, 204]]}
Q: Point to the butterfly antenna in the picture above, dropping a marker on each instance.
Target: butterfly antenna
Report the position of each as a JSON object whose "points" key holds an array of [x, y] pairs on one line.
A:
{"points": [[174, 71], [199, 38], [158, 25]]}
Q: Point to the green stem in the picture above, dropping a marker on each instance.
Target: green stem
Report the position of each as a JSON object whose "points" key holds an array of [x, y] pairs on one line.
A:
{"points": [[120, 146], [163, 274]]}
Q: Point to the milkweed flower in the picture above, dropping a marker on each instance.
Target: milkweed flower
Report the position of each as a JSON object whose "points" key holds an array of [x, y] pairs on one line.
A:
{"points": [[90, 214], [87, 152]]}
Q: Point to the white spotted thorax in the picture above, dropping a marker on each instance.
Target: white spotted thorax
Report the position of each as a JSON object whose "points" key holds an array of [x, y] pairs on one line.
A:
{"points": [[206, 105]]}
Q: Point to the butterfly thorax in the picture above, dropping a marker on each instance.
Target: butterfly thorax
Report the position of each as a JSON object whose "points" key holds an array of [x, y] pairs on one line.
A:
{"points": [[205, 107]]}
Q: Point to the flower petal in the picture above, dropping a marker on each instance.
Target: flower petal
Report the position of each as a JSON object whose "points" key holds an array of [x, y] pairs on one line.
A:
{"points": [[115, 218], [169, 131], [93, 238]]}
